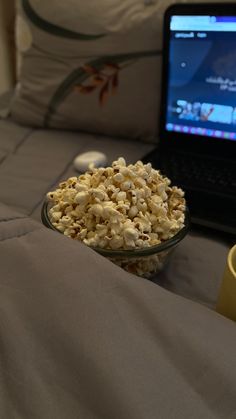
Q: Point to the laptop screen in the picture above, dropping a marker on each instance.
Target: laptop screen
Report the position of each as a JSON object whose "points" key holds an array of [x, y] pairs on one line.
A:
{"points": [[201, 91]]}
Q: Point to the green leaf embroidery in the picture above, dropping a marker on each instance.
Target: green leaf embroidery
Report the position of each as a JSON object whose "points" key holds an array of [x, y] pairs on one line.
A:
{"points": [[54, 29], [79, 75]]}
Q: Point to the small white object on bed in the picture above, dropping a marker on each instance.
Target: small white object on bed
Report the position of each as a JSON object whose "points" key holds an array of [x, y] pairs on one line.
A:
{"points": [[84, 160]]}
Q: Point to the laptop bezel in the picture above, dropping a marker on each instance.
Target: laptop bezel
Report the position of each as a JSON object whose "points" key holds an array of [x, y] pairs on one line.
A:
{"points": [[213, 146]]}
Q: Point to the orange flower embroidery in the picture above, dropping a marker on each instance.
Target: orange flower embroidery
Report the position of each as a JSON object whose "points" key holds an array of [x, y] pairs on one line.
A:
{"points": [[106, 80]]}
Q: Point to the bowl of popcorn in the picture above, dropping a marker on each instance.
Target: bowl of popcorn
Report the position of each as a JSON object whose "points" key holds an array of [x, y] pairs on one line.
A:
{"points": [[128, 213]]}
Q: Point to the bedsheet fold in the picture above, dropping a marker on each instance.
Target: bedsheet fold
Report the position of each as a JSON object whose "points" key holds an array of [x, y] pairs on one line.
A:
{"points": [[81, 338]]}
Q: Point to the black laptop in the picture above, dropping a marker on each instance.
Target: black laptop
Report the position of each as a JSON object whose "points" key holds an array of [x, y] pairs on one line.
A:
{"points": [[197, 146]]}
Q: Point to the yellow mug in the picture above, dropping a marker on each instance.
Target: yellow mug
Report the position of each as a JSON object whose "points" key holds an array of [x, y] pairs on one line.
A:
{"points": [[226, 303]]}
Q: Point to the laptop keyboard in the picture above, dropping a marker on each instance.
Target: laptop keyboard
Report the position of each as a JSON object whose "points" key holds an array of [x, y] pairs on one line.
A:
{"points": [[197, 173]]}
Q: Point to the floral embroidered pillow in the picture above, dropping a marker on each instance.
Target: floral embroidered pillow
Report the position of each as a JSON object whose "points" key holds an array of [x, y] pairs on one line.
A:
{"points": [[92, 66]]}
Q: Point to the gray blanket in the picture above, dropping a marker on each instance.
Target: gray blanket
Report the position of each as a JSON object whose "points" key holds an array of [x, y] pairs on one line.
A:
{"points": [[81, 338], [33, 161]]}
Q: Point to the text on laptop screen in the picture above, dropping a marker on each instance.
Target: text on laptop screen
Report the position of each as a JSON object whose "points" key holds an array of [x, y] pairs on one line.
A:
{"points": [[202, 76]]}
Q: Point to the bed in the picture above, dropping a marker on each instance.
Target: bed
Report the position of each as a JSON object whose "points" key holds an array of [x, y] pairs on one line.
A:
{"points": [[82, 338]]}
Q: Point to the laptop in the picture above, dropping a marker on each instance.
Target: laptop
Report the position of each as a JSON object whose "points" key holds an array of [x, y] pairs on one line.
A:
{"points": [[197, 145]]}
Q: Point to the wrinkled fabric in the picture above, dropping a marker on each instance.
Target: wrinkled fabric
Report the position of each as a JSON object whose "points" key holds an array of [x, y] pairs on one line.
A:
{"points": [[32, 162], [81, 338]]}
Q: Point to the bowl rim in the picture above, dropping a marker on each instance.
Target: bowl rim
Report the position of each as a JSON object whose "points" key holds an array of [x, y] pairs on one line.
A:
{"points": [[132, 253]]}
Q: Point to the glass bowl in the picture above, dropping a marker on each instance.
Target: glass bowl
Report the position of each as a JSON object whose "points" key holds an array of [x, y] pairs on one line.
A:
{"points": [[145, 262]]}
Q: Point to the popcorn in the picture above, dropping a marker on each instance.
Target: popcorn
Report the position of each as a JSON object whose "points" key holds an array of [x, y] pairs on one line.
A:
{"points": [[120, 207], [82, 197]]}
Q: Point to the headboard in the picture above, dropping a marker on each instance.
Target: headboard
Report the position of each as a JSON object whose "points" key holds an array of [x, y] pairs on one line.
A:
{"points": [[7, 44]]}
